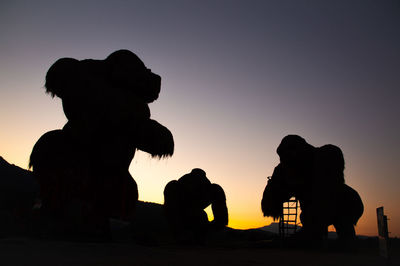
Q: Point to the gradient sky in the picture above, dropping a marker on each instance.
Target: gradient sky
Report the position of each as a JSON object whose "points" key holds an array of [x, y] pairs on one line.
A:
{"points": [[237, 76]]}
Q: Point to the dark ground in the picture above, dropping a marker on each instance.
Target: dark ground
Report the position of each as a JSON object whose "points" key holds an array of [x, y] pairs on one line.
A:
{"points": [[25, 251]]}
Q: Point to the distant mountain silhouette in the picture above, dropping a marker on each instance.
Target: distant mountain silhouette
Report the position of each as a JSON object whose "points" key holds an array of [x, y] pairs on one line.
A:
{"points": [[273, 228]]}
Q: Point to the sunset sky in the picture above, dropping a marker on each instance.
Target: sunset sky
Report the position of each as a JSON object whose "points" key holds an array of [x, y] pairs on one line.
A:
{"points": [[237, 76]]}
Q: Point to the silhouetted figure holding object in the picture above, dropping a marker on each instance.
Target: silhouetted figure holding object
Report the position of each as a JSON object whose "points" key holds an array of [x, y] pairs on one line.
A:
{"points": [[83, 168], [184, 202], [315, 177]]}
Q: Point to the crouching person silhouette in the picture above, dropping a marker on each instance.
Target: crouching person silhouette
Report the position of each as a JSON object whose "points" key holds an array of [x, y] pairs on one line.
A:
{"points": [[184, 202]]}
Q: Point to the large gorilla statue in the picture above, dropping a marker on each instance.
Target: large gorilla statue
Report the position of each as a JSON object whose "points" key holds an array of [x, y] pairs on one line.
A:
{"points": [[315, 177], [83, 168], [184, 202]]}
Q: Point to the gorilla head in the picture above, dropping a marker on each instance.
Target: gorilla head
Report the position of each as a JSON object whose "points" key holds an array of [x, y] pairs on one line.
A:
{"points": [[293, 149], [118, 87], [121, 69], [128, 72]]}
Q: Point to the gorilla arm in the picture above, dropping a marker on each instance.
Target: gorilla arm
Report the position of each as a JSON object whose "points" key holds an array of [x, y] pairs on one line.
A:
{"points": [[171, 205], [155, 139], [218, 206]]}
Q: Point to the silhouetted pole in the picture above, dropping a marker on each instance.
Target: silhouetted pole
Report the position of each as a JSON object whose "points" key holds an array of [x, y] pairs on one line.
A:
{"points": [[383, 233]]}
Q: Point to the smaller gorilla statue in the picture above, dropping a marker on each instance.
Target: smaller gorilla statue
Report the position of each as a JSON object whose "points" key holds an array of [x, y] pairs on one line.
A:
{"points": [[315, 177], [184, 202]]}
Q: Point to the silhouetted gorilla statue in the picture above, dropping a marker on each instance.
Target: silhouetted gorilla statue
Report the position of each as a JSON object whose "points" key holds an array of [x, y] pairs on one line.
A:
{"points": [[184, 202], [86, 163], [315, 177]]}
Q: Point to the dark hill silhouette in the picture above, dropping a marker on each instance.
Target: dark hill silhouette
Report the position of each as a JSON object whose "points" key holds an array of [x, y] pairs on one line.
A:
{"points": [[17, 186], [18, 191]]}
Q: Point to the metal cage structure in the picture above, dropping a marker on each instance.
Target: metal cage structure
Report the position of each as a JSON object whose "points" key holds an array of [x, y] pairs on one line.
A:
{"points": [[288, 218]]}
